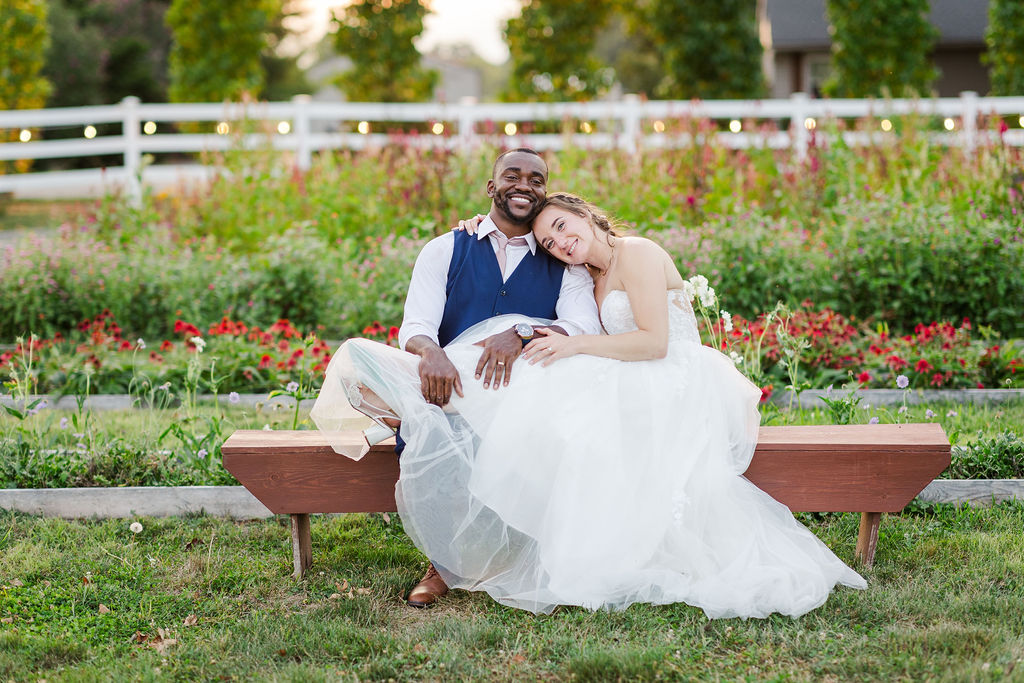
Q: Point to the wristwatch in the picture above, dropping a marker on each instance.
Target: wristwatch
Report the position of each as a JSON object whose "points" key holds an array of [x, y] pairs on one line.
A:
{"points": [[525, 332]]}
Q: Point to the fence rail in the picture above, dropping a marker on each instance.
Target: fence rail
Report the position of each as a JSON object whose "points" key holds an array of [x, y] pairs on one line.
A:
{"points": [[303, 127]]}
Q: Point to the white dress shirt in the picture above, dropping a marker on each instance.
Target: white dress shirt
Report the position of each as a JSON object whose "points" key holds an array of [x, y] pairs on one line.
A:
{"points": [[424, 306]]}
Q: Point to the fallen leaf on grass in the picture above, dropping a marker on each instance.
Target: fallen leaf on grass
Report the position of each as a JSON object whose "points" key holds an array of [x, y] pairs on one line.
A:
{"points": [[334, 596], [160, 642], [362, 591], [191, 620], [387, 518], [7, 620], [103, 609], [192, 544], [17, 583]]}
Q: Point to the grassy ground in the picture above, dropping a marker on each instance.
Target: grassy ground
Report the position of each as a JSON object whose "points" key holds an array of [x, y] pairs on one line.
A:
{"points": [[206, 599]]}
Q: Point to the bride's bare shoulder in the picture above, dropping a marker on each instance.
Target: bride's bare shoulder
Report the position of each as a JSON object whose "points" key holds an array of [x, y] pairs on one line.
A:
{"points": [[641, 249]]}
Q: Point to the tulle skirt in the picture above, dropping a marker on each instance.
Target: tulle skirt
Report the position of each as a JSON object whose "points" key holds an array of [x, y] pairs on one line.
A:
{"points": [[592, 482]]}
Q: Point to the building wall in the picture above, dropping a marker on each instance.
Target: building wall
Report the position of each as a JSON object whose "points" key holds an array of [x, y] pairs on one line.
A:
{"points": [[961, 70]]}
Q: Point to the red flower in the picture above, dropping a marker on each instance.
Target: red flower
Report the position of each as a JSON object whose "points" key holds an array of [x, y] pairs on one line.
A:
{"points": [[166, 345], [156, 357], [393, 334], [864, 377], [937, 379], [125, 345], [265, 361], [766, 392], [923, 366], [896, 363]]}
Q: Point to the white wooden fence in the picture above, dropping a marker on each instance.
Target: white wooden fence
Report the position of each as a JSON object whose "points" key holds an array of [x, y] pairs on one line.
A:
{"points": [[303, 127]]}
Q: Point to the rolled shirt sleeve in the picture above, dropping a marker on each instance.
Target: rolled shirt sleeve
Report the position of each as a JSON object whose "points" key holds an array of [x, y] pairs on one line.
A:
{"points": [[576, 307], [424, 305]]}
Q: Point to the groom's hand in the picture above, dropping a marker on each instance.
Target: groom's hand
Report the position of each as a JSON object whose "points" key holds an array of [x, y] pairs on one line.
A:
{"points": [[438, 377], [500, 352]]}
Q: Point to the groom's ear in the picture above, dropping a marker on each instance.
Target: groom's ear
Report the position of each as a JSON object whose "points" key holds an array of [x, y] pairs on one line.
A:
{"points": [[490, 188]]}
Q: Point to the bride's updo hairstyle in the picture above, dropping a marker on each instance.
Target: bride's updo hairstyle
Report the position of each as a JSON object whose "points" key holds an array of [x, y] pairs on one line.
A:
{"points": [[589, 212]]}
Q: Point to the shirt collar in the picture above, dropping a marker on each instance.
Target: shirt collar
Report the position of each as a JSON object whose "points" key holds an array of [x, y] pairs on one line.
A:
{"points": [[487, 226]]}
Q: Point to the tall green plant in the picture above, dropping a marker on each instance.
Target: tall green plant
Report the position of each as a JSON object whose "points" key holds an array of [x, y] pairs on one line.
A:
{"points": [[217, 46], [24, 40], [377, 36], [552, 42], [1005, 40], [709, 50], [880, 48]]}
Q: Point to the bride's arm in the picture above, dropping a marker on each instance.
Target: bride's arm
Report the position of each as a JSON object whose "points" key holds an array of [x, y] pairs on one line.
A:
{"points": [[642, 270]]}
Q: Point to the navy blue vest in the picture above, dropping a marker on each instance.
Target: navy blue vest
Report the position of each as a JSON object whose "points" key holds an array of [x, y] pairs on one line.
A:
{"points": [[475, 291]]}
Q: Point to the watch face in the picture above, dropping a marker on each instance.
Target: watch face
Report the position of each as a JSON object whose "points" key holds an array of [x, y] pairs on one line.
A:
{"points": [[524, 330]]}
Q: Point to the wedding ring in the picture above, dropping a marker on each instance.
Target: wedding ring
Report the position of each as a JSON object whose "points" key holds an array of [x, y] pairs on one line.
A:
{"points": [[501, 363]]}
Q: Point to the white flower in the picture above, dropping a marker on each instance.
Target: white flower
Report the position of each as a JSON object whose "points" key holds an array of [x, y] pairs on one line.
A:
{"points": [[737, 359], [140, 342], [135, 528], [727, 321], [688, 291], [291, 386], [233, 397], [267, 428], [951, 413], [707, 298], [166, 386], [199, 342]]}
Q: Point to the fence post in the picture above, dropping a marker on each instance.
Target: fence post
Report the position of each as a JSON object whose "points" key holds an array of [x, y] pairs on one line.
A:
{"points": [[798, 130], [467, 122], [632, 116], [969, 100], [132, 147], [303, 143]]}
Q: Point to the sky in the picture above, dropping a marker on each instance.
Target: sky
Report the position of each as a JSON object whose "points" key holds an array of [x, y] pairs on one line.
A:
{"points": [[476, 22]]}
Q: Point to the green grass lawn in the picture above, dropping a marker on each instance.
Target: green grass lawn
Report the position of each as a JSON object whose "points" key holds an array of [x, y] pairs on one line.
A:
{"points": [[206, 599]]}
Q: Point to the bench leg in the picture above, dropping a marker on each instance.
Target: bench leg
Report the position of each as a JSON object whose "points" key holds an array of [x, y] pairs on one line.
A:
{"points": [[302, 547], [867, 539]]}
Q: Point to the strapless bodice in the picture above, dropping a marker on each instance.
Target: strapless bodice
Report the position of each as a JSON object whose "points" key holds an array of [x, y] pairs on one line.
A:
{"points": [[617, 315]]}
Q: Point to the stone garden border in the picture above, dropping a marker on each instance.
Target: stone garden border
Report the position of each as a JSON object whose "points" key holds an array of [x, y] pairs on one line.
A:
{"points": [[238, 503]]}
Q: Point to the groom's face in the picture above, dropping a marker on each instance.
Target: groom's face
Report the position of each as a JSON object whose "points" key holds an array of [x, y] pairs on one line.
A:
{"points": [[519, 186]]}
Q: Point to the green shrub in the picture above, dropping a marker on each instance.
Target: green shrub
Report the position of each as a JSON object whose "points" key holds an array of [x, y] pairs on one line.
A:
{"points": [[994, 457]]}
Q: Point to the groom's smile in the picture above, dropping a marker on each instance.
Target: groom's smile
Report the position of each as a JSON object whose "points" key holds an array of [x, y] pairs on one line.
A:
{"points": [[519, 186]]}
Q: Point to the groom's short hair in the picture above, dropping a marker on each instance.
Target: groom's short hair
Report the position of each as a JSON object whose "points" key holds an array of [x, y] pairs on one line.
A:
{"points": [[524, 150]]}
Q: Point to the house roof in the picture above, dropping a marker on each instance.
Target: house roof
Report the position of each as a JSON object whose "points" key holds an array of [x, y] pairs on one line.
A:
{"points": [[801, 24]]}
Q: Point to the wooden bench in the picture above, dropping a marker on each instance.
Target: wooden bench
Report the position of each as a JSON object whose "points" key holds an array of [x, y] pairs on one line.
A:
{"points": [[869, 469]]}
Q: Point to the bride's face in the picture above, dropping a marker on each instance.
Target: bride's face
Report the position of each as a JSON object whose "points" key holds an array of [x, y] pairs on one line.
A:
{"points": [[565, 235]]}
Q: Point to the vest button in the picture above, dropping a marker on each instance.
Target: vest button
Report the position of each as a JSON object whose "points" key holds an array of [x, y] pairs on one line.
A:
{"points": [[503, 292]]}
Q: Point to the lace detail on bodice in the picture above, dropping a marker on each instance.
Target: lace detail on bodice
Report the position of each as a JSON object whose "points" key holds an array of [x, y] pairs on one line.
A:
{"points": [[617, 315]]}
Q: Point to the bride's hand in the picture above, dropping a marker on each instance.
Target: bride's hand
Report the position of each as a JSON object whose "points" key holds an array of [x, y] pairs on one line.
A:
{"points": [[549, 347], [470, 225]]}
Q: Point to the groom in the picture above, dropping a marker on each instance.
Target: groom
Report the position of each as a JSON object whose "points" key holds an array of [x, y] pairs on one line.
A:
{"points": [[461, 279]]}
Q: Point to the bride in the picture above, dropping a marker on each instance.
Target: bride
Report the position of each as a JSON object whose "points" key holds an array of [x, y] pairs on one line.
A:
{"points": [[610, 470]]}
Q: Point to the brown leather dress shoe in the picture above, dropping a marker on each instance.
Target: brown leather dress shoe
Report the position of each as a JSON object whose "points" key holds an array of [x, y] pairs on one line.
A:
{"points": [[428, 590]]}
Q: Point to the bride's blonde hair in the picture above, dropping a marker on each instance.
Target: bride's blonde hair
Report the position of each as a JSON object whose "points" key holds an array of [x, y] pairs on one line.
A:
{"points": [[589, 212]]}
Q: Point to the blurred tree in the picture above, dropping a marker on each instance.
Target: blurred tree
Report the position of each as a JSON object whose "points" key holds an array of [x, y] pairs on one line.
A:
{"points": [[104, 50], [1005, 39], [627, 46], [377, 36], [880, 48], [552, 44], [23, 42], [284, 77], [24, 39], [709, 50], [216, 48]]}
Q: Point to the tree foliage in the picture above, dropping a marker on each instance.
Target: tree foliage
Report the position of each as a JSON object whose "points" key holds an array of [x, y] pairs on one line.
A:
{"points": [[104, 50], [377, 36], [709, 50], [216, 48], [1005, 39], [880, 48], [552, 44], [24, 39]]}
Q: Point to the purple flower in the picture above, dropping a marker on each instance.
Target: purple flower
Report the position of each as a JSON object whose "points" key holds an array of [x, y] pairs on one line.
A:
{"points": [[929, 414], [63, 423], [873, 421], [951, 413], [292, 386], [233, 397], [902, 382], [202, 453]]}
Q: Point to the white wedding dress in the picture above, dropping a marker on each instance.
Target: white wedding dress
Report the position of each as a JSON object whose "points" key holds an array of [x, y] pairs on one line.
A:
{"points": [[594, 482]]}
